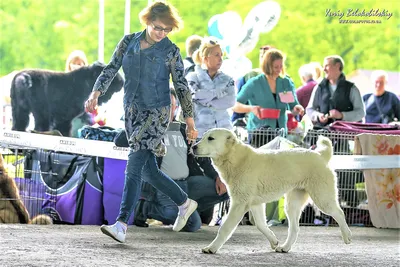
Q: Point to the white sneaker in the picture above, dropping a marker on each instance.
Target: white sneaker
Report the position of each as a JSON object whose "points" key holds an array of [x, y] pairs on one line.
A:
{"points": [[183, 216], [117, 232]]}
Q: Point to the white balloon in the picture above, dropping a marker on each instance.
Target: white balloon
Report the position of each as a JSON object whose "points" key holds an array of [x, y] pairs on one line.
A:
{"points": [[263, 17], [248, 41], [228, 24]]}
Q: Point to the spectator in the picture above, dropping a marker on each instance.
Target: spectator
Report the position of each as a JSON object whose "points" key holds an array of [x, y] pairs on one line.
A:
{"points": [[307, 74], [237, 117], [335, 98], [193, 43], [319, 71], [381, 106], [196, 177], [271, 89], [213, 91], [75, 60]]}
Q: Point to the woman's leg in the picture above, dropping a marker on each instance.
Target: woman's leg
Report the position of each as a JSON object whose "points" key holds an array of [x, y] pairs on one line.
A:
{"points": [[130, 195], [133, 181], [162, 182]]}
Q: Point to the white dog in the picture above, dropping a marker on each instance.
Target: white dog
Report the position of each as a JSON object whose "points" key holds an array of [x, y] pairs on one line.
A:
{"points": [[257, 176]]}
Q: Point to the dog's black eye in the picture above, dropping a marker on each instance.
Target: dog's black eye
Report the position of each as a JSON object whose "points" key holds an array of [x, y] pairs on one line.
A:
{"points": [[210, 138]]}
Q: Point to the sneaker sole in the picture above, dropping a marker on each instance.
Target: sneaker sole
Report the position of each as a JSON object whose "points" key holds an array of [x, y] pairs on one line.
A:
{"points": [[110, 235]]}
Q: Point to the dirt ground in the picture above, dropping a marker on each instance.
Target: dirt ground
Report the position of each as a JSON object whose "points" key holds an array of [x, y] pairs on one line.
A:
{"points": [[61, 245]]}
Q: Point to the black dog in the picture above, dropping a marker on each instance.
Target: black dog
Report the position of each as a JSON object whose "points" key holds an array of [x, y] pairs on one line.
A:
{"points": [[55, 98]]}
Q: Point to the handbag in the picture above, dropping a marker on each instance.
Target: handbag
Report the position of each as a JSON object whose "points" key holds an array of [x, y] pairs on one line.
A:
{"points": [[103, 133]]}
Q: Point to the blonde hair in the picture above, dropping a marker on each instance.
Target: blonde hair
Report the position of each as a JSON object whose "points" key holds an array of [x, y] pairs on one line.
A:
{"points": [[167, 13], [73, 57], [204, 50], [269, 57], [192, 44], [318, 70]]}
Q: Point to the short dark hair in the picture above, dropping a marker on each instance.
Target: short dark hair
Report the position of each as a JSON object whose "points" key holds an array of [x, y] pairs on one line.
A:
{"points": [[192, 44], [336, 59]]}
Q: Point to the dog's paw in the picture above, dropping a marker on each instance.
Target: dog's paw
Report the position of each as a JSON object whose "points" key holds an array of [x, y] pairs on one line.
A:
{"points": [[346, 235], [347, 240], [282, 249], [274, 245], [209, 250]]}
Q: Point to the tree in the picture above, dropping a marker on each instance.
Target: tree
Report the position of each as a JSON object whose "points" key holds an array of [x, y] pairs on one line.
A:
{"points": [[41, 33]]}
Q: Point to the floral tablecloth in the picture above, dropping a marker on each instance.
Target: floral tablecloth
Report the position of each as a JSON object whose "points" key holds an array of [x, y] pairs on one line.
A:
{"points": [[382, 185]]}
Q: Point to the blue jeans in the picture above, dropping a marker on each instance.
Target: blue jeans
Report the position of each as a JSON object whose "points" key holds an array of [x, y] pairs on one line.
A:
{"points": [[142, 165], [200, 188]]}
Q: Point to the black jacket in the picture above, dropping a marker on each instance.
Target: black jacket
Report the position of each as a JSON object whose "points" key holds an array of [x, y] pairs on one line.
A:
{"points": [[340, 99]]}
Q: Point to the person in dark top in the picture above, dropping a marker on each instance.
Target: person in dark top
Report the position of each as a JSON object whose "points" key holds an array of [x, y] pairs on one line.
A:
{"points": [[307, 74], [335, 98], [196, 176], [193, 43], [381, 106]]}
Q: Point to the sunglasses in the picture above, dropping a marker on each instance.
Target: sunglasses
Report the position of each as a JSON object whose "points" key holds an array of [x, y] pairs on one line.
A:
{"points": [[160, 29], [213, 42]]}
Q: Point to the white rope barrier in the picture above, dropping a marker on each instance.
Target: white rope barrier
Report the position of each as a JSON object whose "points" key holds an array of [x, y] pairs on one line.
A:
{"points": [[110, 150]]}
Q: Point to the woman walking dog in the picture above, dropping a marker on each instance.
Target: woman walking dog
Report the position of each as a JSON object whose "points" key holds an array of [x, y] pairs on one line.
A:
{"points": [[148, 58]]}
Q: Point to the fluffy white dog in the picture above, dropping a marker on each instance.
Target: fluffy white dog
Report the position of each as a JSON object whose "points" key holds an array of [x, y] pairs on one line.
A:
{"points": [[257, 176]]}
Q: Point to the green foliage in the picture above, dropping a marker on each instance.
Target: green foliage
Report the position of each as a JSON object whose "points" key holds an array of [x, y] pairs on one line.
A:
{"points": [[41, 33]]}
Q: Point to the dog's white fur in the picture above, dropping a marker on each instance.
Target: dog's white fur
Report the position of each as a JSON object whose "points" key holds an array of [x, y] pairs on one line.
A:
{"points": [[257, 176]]}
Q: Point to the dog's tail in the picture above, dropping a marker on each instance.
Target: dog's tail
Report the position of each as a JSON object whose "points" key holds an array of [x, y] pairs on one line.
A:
{"points": [[20, 100], [23, 81], [41, 219], [324, 147]]}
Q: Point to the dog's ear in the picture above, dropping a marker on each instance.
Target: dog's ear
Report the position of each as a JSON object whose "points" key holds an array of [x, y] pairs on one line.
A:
{"points": [[231, 139]]}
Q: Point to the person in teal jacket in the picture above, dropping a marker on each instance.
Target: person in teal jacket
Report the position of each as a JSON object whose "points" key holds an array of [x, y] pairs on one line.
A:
{"points": [[272, 89]]}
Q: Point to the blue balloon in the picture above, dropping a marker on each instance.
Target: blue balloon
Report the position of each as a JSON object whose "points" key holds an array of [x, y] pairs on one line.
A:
{"points": [[213, 29]]}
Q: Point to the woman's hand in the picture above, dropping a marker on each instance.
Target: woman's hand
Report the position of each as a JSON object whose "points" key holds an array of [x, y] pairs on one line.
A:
{"points": [[191, 131], [256, 111], [298, 109], [91, 103]]}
